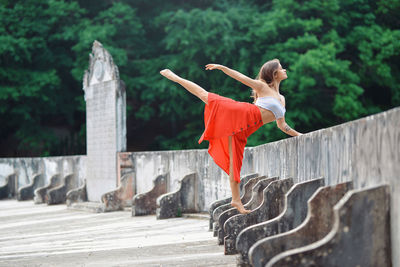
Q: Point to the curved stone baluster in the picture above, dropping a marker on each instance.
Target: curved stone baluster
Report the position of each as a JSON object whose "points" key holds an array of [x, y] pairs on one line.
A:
{"points": [[254, 202], [8, 190], [41, 192], [360, 235], [219, 206], [58, 194], [184, 200], [28, 192], [272, 204], [317, 224], [245, 198], [119, 198], [294, 213], [77, 195], [146, 203], [227, 200]]}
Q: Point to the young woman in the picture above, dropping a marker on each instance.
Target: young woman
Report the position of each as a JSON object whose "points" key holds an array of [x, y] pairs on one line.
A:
{"points": [[228, 123]]}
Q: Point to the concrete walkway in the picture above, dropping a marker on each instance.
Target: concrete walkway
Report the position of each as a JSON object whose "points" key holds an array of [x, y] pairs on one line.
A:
{"points": [[41, 235]]}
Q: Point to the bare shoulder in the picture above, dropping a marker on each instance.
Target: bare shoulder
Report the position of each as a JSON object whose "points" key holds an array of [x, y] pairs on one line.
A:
{"points": [[263, 88], [258, 86]]}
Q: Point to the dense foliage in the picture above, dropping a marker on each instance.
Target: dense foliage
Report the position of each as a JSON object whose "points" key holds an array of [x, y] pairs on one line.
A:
{"points": [[342, 59]]}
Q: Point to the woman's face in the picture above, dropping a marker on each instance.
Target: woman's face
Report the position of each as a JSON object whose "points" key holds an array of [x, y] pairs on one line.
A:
{"points": [[281, 73]]}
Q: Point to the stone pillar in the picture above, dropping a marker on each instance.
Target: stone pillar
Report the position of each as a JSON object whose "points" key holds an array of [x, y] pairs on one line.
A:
{"points": [[105, 122]]}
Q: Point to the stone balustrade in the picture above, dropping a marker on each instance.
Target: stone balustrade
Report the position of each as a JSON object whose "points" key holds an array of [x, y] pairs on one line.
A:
{"points": [[360, 235], [317, 225], [245, 198], [255, 200], [271, 205], [294, 213], [226, 201]]}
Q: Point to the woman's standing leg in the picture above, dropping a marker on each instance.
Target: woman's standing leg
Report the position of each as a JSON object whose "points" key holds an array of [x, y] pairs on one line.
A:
{"points": [[203, 95], [236, 201], [188, 85]]}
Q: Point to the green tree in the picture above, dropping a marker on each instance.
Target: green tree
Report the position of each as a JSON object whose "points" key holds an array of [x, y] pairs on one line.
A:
{"points": [[342, 58], [34, 74]]}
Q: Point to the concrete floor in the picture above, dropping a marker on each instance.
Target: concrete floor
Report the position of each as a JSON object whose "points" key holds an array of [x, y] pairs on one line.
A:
{"points": [[41, 235]]}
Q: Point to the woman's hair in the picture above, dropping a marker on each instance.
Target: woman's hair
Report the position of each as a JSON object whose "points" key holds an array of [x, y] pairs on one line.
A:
{"points": [[267, 74]]}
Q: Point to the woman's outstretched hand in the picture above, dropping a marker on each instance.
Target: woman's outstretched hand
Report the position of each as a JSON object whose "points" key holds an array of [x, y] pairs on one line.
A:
{"points": [[169, 74], [214, 67]]}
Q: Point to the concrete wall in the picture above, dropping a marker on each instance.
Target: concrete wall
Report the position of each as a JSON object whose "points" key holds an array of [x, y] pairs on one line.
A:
{"points": [[366, 151], [213, 184], [25, 168]]}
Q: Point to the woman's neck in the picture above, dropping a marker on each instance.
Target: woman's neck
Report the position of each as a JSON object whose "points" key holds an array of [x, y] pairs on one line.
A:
{"points": [[275, 87]]}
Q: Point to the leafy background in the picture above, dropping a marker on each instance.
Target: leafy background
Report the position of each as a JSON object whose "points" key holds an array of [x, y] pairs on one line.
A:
{"points": [[342, 59]]}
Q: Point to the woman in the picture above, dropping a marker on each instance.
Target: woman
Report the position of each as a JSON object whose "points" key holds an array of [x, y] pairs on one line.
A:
{"points": [[228, 123]]}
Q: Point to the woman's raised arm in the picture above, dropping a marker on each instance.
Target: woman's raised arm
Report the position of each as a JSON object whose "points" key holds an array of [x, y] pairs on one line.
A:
{"points": [[255, 84]]}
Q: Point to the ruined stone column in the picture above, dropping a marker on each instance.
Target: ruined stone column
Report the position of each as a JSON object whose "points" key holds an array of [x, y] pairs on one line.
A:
{"points": [[105, 122]]}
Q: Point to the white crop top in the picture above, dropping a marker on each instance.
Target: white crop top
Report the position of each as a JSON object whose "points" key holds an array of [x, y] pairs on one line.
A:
{"points": [[272, 104]]}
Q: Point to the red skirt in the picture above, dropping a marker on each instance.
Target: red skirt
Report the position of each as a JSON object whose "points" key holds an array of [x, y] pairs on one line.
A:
{"points": [[224, 117]]}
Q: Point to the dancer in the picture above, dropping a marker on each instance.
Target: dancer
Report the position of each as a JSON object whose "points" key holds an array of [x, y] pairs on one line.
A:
{"points": [[228, 123]]}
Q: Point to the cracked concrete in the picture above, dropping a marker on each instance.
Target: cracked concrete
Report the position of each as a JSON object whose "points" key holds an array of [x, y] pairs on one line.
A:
{"points": [[41, 235]]}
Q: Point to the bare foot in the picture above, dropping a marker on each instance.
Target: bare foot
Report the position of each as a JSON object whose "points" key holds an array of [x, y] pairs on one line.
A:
{"points": [[240, 207], [169, 74]]}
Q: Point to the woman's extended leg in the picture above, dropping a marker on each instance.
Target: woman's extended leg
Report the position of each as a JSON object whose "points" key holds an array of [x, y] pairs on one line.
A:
{"points": [[188, 85], [236, 201]]}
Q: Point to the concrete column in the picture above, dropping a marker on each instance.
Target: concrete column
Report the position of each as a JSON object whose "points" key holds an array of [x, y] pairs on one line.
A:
{"points": [[105, 122]]}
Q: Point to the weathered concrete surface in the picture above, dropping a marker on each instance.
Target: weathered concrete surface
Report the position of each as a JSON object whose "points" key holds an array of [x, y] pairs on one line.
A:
{"points": [[146, 203], [294, 213], [41, 192], [28, 191], [88, 206], [243, 182], [105, 99], [317, 225], [255, 200], [9, 189], [360, 235], [183, 200], [245, 198], [272, 204], [41, 235]]}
